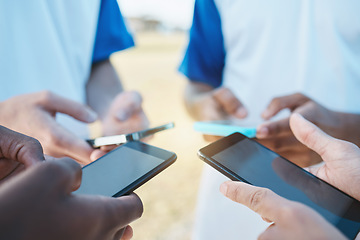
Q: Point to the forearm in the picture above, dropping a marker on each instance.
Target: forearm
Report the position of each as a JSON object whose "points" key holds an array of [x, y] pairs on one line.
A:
{"points": [[102, 87], [193, 94]]}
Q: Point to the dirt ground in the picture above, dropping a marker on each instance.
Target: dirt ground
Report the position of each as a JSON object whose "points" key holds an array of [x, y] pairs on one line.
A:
{"points": [[169, 199]]}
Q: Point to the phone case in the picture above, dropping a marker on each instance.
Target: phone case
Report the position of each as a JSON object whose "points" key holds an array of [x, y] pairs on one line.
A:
{"points": [[218, 128]]}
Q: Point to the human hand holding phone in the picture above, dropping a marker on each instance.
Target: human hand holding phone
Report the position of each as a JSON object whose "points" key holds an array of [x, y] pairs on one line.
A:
{"points": [[243, 159], [341, 166], [34, 115], [125, 115], [292, 219], [40, 200], [207, 104], [289, 219]]}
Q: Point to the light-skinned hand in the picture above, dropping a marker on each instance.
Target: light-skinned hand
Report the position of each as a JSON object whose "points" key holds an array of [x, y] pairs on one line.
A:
{"points": [[290, 220], [207, 104], [39, 204], [125, 115], [341, 166], [34, 115]]}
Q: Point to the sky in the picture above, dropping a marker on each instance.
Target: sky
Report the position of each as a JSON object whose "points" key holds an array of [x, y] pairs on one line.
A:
{"points": [[172, 13]]}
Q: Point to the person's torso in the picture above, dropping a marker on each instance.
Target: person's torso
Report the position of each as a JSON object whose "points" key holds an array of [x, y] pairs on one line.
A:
{"points": [[279, 47], [47, 45]]}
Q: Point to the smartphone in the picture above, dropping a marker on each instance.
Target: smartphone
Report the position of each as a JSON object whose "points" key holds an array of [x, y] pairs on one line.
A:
{"points": [[124, 169], [225, 127], [244, 159]]}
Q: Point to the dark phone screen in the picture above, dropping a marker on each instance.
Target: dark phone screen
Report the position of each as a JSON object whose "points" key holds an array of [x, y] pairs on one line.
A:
{"points": [[120, 168], [257, 165]]}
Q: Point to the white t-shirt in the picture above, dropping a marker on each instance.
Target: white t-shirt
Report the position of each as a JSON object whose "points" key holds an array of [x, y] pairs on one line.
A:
{"points": [[47, 45], [268, 49]]}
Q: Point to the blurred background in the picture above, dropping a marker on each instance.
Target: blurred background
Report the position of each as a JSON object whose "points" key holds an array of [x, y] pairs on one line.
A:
{"points": [[160, 30]]}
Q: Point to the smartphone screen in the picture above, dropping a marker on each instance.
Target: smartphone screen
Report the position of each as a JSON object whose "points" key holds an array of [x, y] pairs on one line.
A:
{"points": [[243, 159], [124, 169]]}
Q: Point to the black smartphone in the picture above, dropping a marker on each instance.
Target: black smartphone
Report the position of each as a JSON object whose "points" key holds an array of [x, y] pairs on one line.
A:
{"points": [[244, 159], [124, 169]]}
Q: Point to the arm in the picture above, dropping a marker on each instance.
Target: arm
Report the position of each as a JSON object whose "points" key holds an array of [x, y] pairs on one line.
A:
{"points": [[119, 111], [102, 87]]}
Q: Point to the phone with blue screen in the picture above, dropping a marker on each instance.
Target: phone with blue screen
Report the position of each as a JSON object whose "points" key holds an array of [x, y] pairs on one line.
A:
{"points": [[244, 159]]}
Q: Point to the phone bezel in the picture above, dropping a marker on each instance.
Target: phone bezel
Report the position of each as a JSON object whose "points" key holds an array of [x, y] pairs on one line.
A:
{"points": [[212, 149], [206, 153], [168, 158]]}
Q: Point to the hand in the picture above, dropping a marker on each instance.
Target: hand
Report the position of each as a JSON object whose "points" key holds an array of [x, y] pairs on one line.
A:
{"points": [[34, 115], [290, 220], [125, 115], [341, 166], [207, 104], [38, 204], [17, 151], [277, 135]]}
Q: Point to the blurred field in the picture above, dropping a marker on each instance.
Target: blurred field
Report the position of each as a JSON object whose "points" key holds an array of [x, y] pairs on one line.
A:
{"points": [[169, 199]]}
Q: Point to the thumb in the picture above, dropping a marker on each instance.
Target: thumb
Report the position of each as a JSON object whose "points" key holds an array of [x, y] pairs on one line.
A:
{"points": [[261, 200], [311, 136], [126, 104]]}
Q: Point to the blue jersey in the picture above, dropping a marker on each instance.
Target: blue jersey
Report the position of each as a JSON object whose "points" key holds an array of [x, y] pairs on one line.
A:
{"points": [[111, 34], [205, 55]]}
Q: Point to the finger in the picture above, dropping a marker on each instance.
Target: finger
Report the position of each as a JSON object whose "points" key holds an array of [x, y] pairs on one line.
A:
{"points": [[96, 154], [64, 175], [18, 147], [261, 200], [311, 136], [273, 128], [230, 103], [122, 211], [74, 109], [126, 104], [211, 138], [128, 233], [290, 101], [67, 144]]}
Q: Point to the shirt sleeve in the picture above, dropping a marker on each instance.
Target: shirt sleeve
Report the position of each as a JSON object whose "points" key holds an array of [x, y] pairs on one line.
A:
{"points": [[205, 55], [111, 34]]}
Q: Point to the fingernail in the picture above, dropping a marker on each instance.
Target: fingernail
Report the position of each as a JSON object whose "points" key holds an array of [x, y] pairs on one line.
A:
{"points": [[92, 116], [266, 114], [122, 116], [262, 132], [241, 112], [223, 188]]}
